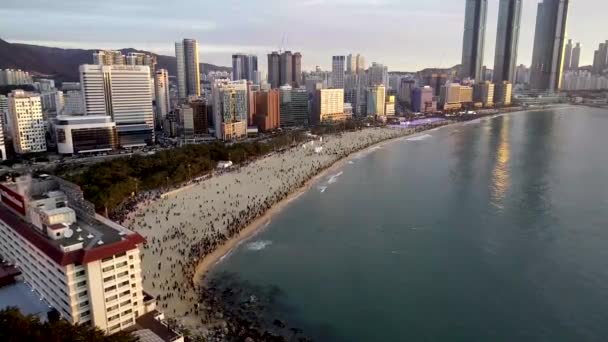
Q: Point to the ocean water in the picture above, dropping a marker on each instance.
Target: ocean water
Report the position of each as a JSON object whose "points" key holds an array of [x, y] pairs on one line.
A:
{"points": [[490, 231]]}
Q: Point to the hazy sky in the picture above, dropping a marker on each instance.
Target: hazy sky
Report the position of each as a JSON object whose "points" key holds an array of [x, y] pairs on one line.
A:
{"points": [[403, 34]]}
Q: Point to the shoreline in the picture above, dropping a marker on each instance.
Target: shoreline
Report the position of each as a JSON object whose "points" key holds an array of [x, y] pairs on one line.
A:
{"points": [[206, 265]]}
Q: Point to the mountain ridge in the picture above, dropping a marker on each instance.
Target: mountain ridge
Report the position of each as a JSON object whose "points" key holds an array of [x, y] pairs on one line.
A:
{"points": [[62, 64]]}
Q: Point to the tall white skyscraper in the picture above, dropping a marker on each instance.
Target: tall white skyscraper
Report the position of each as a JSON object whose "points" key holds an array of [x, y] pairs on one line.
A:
{"points": [[337, 72], [188, 72], [123, 93], [161, 82], [351, 64], [28, 130], [361, 66]]}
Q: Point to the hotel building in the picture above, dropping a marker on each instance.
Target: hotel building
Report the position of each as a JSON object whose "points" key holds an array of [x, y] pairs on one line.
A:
{"points": [[85, 266]]}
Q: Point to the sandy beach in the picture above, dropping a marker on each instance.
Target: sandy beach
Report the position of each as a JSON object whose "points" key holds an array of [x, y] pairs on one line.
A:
{"points": [[189, 230]]}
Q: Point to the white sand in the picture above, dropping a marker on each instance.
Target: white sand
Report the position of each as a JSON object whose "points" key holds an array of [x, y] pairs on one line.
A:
{"points": [[174, 224]]}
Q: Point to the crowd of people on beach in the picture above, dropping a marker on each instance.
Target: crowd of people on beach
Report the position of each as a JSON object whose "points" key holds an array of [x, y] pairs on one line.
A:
{"points": [[186, 226]]}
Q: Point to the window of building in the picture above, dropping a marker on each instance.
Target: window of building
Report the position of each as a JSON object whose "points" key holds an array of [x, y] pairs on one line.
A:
{"points": [[111, 288], [83, 304], [120, 255], [107, 279], [80, 273], [107, 269], [126, 302], [106, 259], [122, 274], [114, 327], [111, 298], [81, 283], [113, 318], [83, 294]]}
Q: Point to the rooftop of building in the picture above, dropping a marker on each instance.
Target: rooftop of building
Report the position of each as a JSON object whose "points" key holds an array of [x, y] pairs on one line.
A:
{"points": [[150, 328], [88, 238]]}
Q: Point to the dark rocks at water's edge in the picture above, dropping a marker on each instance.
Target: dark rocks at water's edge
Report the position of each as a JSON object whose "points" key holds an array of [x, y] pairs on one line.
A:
{"points": [[235, 310]]}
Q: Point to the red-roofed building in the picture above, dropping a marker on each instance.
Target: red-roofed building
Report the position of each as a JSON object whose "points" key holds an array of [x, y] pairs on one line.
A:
{"points": [[85, 266]]}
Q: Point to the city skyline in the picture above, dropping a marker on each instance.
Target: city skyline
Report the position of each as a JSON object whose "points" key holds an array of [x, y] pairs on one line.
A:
{"points": [[117, 25]]}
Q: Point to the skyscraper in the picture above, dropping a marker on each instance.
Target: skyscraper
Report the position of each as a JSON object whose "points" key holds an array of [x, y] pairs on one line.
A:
{"points": [[474, 36], [161, 84], [274, 62], [602, 58], [351, 64], [360, 64], [576, 57], [245, 67], [285, 69], [296, 69], [378, 75], [549, 39], [568, 55], [337, 72], [188, 73], [507, 38]]}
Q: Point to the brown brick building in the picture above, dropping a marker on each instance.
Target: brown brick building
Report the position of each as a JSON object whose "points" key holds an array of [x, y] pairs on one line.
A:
{"points": [[267, 110]]}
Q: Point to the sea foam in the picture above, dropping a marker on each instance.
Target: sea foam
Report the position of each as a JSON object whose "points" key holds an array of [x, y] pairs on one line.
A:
{"points": [[420, 138], [258, 245]]}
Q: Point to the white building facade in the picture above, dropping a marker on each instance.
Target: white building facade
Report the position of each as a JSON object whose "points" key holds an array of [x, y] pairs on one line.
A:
{"points": [[27, 123], [125, 94]]}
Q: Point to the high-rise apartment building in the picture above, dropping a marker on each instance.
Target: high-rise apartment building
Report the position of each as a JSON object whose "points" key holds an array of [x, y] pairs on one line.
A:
{"points": [[361, 66], [28, 130], [274, 67], [568, 55], [376, 97], [188, 72], [423, 100], [328, 105], [14, 77], [576, 57], [337, 72], [138, 58], [507, 39], [294, 110], [549, 39], [245, 67], [161, 84], [86, 267], [194, 119], [474, 38], [484, 93], [230, 109], [378, 75], [600, 58], [351, 64], [503, 93], [109, 57], [267, 110], [285, 69], [296, 70], [125, 94]]}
